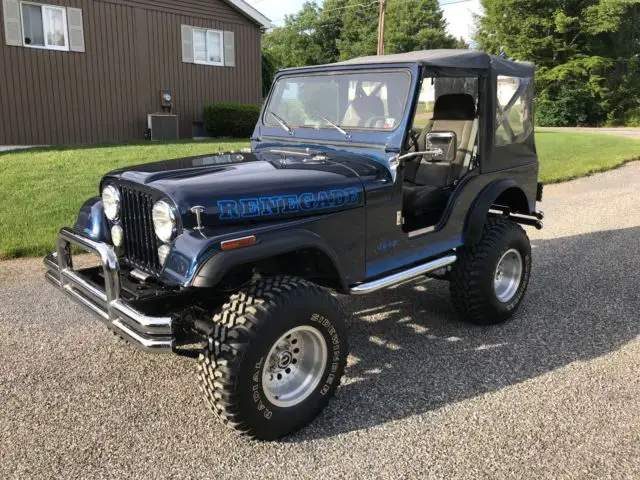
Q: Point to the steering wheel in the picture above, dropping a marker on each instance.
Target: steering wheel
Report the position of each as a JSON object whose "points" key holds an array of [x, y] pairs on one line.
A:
{"points": [[371, 122]]}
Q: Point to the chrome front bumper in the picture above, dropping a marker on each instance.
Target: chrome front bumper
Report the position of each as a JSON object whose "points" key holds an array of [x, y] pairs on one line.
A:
{"points": [[148, 333]]}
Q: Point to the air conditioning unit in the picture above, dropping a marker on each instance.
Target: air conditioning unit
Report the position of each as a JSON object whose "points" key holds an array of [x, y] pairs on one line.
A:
{"points": [[163, 126]]}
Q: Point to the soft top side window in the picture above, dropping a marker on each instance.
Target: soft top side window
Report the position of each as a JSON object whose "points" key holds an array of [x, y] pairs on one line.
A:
{"points": [[435, 87], [514, 113]]}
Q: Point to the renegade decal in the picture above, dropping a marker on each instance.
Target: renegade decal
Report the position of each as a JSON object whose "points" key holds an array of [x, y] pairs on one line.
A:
{"points": [[285, 204]]}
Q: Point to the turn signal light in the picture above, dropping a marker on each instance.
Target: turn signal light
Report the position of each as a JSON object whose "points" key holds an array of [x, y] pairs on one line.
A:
{"points": [[238, 242]]}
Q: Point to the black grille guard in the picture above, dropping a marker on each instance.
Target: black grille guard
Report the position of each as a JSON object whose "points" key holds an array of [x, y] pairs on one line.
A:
{"points": [[153, 334]]}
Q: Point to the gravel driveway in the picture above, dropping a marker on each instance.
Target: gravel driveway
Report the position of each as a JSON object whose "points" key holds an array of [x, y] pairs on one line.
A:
{"points": [[631, 132], [553, 394]]}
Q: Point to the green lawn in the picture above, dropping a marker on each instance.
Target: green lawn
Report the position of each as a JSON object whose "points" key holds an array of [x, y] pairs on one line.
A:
{"points": [[41, 190], [564, 156]]}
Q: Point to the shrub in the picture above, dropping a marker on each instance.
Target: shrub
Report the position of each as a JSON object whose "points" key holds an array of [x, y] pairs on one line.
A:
{"points": [[575, 93], [633, 118], [568, 106], [230, 119]]}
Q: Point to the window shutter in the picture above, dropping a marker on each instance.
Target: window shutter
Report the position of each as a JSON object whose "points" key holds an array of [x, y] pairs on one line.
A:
{"points": [[76, 29], [12, 22], [229, 49], [187, 44]]}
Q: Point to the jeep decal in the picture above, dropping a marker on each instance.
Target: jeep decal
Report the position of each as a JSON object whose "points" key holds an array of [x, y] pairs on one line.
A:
{"points": [[285, 204]]}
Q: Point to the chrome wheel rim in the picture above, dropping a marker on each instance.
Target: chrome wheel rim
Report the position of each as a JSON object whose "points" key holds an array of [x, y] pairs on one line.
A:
{"points": [[294, 366], [508, 275]]}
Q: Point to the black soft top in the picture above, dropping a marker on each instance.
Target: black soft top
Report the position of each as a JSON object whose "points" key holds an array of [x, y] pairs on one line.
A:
{"points": [[460, 59]]}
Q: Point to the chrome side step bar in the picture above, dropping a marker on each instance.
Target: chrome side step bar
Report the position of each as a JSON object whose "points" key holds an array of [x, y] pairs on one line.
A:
{"points": [[385, 282]]}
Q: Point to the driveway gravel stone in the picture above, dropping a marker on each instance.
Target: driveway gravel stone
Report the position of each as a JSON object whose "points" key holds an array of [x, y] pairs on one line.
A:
{"points": [[555, 393]]}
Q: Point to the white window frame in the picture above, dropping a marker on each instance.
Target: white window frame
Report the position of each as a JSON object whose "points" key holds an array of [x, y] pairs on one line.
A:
{"points": [[44, 29], [206, 36]]}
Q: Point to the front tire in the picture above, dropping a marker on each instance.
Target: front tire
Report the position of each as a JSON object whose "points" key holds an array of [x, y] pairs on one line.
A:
{"points": [[276, 357], [490, 278]]}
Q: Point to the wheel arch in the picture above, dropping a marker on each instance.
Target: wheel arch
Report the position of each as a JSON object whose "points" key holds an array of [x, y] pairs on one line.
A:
{"points": [[500, 193], [513, 198], [300, 253]]}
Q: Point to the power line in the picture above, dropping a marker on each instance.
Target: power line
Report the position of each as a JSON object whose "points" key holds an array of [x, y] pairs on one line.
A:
{"points": [[395, 2], [346, 7], [389, 2], [351, 6], [332, 22], [443, 4]]}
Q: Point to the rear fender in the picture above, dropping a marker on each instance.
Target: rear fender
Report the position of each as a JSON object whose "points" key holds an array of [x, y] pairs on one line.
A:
{"points": [[476, 218]]}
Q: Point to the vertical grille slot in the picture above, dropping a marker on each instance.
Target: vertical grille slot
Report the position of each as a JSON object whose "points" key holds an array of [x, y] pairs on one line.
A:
{"points": [[140, 242]]}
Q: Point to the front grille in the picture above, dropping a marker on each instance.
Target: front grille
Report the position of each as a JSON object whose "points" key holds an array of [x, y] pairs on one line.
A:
{"points": [[140, 242]]}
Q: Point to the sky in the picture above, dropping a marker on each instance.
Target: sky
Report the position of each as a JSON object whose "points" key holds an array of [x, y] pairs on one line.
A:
{"points": [[458, 13]]}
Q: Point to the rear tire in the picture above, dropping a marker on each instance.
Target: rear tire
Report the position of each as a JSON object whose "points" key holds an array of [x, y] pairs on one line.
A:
{"points": [[490, 278], [276, 357]]}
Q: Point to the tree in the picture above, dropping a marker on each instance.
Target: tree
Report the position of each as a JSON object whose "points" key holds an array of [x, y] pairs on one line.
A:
{"points": [[344, 29], [417, 25], [269, 69], [330, 26], [359, 35], [586, 52], [410, 25], [296, 43]]}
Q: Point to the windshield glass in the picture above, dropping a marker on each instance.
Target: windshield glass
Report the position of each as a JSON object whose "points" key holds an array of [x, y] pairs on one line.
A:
{"points": [[349, 101]]}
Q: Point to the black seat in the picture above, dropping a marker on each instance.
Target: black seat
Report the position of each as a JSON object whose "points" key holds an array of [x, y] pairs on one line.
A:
{"points": [[425, 201], [427, 185]]}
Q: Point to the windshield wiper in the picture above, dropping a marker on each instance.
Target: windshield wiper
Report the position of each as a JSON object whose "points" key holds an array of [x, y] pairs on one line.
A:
{"points": [[282, 123], [346, 134]]}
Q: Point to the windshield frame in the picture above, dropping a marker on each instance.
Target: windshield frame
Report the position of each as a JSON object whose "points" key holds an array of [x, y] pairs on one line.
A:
{"points": [[341, 72]]}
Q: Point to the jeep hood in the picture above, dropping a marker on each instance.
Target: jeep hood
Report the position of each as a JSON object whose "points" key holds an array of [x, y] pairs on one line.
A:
{"points": [[249, 187]]}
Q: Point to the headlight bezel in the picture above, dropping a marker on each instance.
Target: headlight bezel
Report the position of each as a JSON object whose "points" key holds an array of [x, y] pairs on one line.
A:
{"points": [[168, 226], [111, 210]]}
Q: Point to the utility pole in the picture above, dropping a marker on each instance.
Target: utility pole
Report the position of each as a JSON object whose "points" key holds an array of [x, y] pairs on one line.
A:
{"points": [[383, 10]]}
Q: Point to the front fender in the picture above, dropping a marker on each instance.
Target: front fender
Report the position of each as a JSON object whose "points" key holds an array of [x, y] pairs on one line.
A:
{"points": [[212, 269], [92, 222]]}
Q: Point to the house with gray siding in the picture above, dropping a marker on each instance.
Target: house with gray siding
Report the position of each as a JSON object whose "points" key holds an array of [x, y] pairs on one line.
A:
{"points": [[89, 71]]}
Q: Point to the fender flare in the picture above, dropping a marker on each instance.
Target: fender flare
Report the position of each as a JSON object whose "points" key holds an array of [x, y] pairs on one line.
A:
{"points": [[269, 245], [476, 218], [92, 222]]}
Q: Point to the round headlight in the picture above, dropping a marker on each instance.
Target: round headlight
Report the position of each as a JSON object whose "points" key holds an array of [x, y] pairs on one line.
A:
{"points": [[164, 220], [111, 202], [117, 235]]}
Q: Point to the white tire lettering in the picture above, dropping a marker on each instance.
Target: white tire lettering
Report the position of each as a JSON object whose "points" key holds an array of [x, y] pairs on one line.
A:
{"points": [[333, 334]]}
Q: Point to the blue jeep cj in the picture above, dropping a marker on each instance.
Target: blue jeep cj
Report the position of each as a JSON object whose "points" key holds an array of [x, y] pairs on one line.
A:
{"points": [[361, 175]]}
